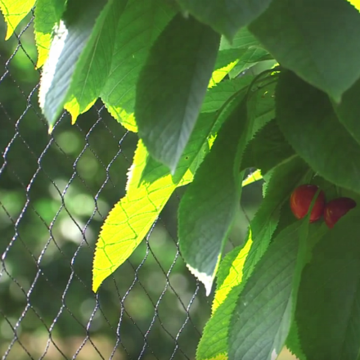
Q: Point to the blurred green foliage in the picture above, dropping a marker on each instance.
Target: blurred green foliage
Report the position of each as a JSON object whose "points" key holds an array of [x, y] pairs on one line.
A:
{"points": [[55, 191]]}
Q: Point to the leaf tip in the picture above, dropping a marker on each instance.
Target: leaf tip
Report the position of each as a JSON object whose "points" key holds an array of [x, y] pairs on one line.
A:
{"points": [[205, 278]]}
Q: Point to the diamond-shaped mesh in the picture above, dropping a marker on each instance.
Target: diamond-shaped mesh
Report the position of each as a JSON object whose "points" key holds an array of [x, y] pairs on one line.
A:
{"points": [[55, 192]]}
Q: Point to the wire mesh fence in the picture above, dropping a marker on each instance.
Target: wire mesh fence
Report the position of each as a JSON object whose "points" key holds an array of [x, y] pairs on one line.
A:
{"points": [[55, 192]]}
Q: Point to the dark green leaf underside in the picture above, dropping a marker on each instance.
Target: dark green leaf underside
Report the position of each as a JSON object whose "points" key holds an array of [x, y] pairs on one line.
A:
{"points": [[172, 85], [317, 39], [307, 119]]}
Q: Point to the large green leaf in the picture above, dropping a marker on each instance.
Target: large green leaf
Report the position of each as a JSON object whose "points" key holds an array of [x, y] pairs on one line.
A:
{"points": [[14, 11], [136, 30], [309, 235], [308, 121], [226, 17], [208, 207], [93, 67], [215, 340], [348, 111], [47, 16], [70, 40], [261, 320], [267, 149], [172, 85], [328, 311], [317, 39]]}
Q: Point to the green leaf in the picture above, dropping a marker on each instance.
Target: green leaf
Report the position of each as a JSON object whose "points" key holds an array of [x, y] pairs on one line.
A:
{"points": [[279, 188], [261, 320], [14, 11], [328, 313], [172, 85], [307, 119], [249, 58], [304, 36], [136, 30], [47, 16], [193, 155], [209, 205], [226, 17], [309, 235], [348, 111], [228, 56], [222, 92], [267, 149], [265, 103], [244, 49], [71, 38], [94, 64], [243, 39], [209, 121], [214, 341], [293, 342]]}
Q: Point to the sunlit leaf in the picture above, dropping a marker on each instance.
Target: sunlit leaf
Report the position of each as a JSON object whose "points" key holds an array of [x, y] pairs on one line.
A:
{"points": [[129, 220], [149, 187], [14, 11], [213, 343], [93, 67], [135, 32], [232, 265], [47, 18], [355, 3], [72, 35], [253, 177]]}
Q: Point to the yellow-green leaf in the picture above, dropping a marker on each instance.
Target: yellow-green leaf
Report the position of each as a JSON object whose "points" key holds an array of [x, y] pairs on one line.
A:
{"points": [[251, 178], [355, 4], [14, 11], [234, 277], [130, 219], [219, 74]]}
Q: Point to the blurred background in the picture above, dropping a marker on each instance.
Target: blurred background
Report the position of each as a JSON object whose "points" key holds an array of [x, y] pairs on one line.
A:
{"points": [[55, 192]]}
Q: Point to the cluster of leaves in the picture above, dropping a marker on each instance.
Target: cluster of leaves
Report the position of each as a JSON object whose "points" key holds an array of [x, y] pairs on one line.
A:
{"points": [[197, 82]]}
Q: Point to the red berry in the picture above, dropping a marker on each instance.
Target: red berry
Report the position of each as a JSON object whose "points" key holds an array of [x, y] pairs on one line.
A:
{"points": [[301, 199], [337, 208]]}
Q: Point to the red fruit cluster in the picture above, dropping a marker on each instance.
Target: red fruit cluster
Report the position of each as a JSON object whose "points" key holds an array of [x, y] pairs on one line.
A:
{"points": [[302, 197]]}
